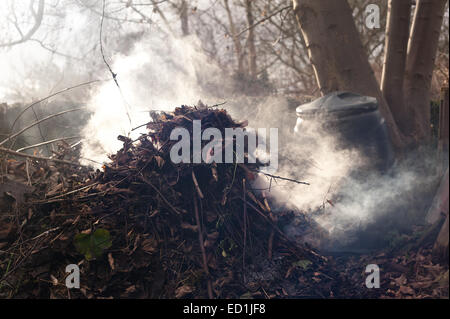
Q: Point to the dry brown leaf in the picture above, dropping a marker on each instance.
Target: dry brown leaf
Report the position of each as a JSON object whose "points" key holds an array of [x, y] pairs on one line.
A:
{"points": [[159, 160], [111, 261], [149, 245], [400, 281], [406, 290], [130, 289], [189, 226], [183, 291], [54, 280]]}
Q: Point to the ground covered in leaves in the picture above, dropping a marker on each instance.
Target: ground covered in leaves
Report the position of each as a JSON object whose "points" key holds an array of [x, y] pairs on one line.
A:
{"points": [[144, 227]]}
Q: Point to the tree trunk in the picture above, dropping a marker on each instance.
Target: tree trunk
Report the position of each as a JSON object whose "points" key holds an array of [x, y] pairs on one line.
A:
{"points": [[422, 48], [397, 35], [251, 39], [184, 17], [438, 210], [336, 53], [444, 121], [4, 127], [440, 248], [236, 41]]}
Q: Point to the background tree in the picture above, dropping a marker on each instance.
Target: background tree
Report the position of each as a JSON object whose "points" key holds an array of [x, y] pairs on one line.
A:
{"points": [[336, 52], [422, 48], [340, 62], [397, 35]]}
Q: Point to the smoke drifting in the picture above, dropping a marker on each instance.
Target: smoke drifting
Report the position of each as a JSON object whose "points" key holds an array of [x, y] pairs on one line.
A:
{"points": [[157, 74], [355, 210], [160, 73]]}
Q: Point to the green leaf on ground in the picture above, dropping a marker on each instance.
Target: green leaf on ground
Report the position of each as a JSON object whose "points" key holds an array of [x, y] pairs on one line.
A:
{"points": [[304, 264], [92, 245]]}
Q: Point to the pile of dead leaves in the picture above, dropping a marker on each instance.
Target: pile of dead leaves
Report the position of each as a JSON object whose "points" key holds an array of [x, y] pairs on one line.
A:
{"points": [[410, 274], [144, 227]]}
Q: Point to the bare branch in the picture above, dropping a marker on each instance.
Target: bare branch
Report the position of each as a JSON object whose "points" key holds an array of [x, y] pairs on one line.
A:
{"points": [[36, 123], [37, 23], [11, 152]]}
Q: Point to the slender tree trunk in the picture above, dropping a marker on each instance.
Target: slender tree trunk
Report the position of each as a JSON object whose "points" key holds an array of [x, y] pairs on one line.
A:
{"points": [[251, 39], [422, 48], [236, 41], [444, 121], [4, 128], [337, 55], [162, 15], [397, 35], [184, 17]]}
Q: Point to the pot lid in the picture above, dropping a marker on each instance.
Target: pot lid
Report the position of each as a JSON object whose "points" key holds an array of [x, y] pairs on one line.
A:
{"points": [[339, 104]]}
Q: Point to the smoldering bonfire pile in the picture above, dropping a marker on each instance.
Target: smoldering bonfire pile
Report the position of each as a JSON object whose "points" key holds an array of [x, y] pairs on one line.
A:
{"points": [[144, 227]]}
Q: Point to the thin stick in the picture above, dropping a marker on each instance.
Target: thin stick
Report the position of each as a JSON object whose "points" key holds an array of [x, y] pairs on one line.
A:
{"points": [[47, 142], [272, 232], [285, 179], [141, 124], [245, 168], [199, 191], [267, 218], [27, 164], [270, 246], [7, 151], [36, 123], [245, 226], [281, 234], [113, 75], [48, 97], [74, 191], [159, 193], [202, 247], [252, 196], [262, 20]]}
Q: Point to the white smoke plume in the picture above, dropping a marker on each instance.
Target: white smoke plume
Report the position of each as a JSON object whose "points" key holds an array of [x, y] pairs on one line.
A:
{"points": [[156, 75]]}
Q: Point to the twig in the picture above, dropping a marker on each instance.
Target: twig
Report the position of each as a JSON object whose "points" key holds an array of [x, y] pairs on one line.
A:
{"points": [[133, 129], [50, 96], [74, 191], [159, 193], [27, 165], [28, 254], [36, 123], [270, 246], [218, 104], [202, 247], [285, 178], [199, 191], [272, 232], [245, 226], [39, 127], [47, 142], [11, 152], [114, 75], [282, 235], [262, 20], [252, 196]]}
